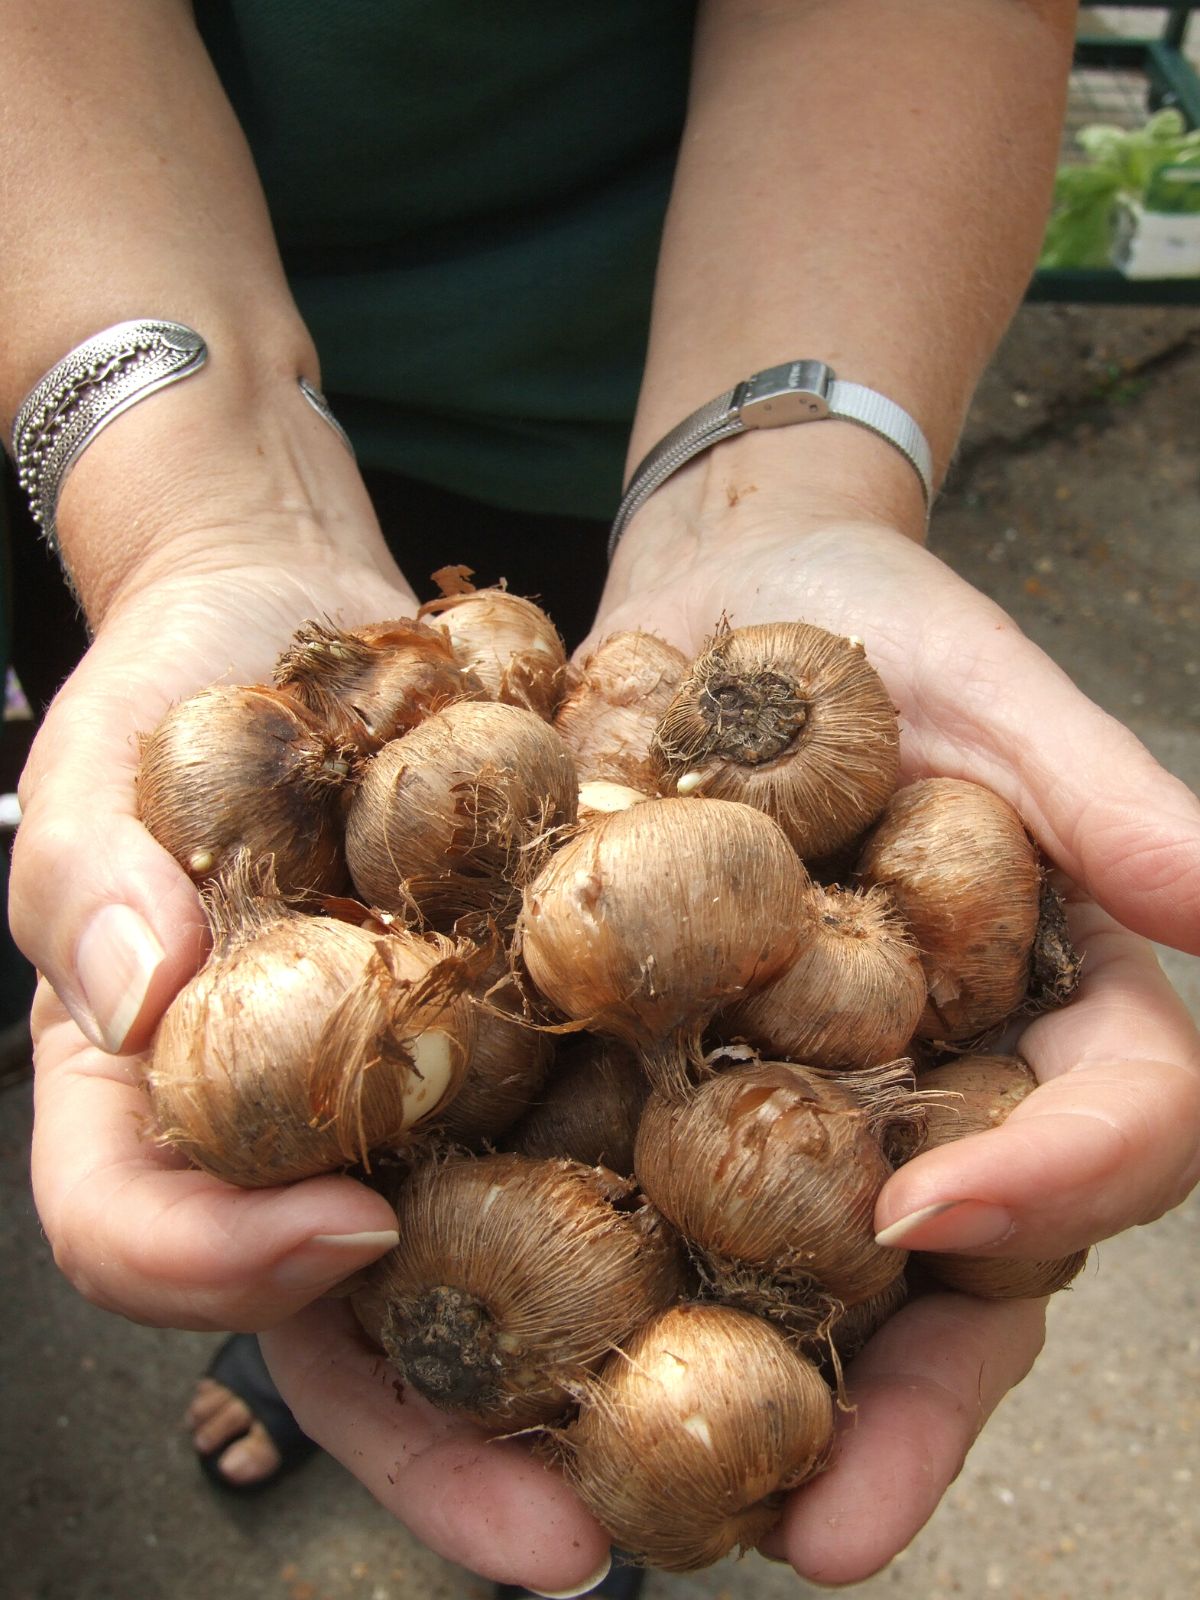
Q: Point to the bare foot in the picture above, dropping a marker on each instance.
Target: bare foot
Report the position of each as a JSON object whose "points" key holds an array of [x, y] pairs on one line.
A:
{"points": [[216, 1416]]}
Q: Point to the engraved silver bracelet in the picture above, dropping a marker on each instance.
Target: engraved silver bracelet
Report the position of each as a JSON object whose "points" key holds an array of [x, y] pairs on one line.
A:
{"points": [[94, 383]]}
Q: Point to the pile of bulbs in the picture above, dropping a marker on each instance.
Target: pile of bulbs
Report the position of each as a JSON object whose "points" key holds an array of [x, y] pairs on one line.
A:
{"points": [[615, 978]]}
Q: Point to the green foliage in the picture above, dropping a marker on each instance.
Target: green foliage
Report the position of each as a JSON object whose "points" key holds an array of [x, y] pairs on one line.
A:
{"points": [[1157, 165]]}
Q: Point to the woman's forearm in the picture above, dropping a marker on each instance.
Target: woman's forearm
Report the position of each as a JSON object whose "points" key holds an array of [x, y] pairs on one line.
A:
{"points": [[863, 183], [129, 192]]}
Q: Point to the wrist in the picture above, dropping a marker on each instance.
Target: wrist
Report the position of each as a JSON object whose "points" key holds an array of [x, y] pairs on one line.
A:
{"points": [[782, 396], [768, 484], [228, 466]]}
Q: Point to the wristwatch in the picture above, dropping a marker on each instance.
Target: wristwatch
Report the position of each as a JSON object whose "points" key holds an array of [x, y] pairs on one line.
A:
{"points": [[796, 391]]}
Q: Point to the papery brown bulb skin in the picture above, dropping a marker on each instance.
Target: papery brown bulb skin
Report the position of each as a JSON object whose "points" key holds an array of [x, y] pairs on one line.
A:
{"points": [[386, 676], [508, 1065], [614, 701], [650, 920], [975, 1094], [306, 1043], [691, 1435], [775, 1167], [513, 1278], [509, 644], [247, 768], [447, 820], [851, 998], [1001, 1277], [788, 718], [853, 1326], [590, 1108], [965, 875]]}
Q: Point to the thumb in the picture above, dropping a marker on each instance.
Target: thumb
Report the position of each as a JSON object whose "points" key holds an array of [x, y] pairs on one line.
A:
{"points": [[101, 909], [104, 912]]}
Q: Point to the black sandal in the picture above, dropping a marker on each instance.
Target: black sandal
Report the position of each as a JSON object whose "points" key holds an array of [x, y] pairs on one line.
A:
{"points": [[239, 1367]]}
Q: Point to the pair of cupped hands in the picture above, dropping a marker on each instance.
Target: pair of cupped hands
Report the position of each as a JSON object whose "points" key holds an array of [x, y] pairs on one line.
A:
{"points": [[1110, 1139]]}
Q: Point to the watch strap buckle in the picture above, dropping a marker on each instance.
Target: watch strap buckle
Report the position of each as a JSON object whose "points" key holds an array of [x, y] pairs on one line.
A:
{"points": [[796, 391]]}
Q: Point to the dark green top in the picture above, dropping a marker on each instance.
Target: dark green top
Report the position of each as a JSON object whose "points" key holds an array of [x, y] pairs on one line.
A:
{"points": [[468, 197]]}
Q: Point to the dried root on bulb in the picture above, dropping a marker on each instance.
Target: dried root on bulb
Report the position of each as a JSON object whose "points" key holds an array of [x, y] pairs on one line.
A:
{"points": [[975, 1094], [771, 1171], [508, 644], [790, 719], [1056, 964], [693, 1432], [512, 1280], [851, 1327], [450, 819], [306, 1043], [615, 699], [651, 920], [386, 677], [248, 768], [851, 998]]}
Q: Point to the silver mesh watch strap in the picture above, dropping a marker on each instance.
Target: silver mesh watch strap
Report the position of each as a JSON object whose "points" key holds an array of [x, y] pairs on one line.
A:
{"points": [[796, 391]]}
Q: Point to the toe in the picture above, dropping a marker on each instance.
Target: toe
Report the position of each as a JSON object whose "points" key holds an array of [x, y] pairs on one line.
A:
{"points": [[222, 1426], [207, 1399], [251, 1458]]}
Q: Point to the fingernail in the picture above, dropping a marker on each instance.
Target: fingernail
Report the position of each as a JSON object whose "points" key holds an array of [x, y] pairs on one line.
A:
{"points": [[326, 1257], [598, 1576], [115, 961], [953, 1225]]}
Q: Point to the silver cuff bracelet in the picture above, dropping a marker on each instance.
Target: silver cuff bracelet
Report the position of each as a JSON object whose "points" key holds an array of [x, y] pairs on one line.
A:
{"points": [[92, 384]]}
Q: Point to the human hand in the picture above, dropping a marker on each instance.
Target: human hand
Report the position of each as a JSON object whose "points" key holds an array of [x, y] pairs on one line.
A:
{"points": [[134, 1228], [1109, 1139], [1119, 1071], [535, 1530], [926, 1383], [488, 1504], [1086, 1155], [115, 927]]}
